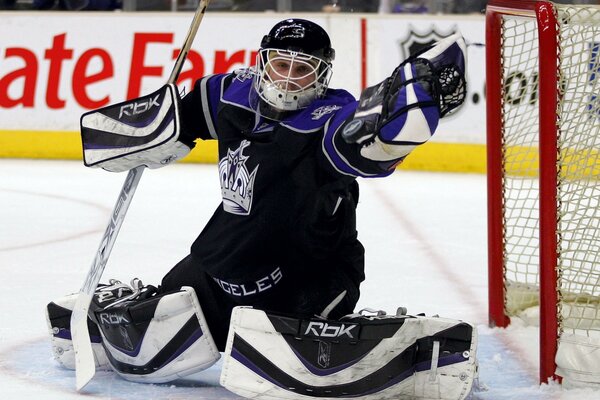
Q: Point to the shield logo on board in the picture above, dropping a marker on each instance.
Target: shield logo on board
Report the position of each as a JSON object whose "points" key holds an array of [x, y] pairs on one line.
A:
{"points": [[417, 40]]}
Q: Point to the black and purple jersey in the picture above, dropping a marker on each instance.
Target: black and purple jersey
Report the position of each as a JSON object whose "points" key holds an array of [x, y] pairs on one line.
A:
{"points": [[288, 187]]}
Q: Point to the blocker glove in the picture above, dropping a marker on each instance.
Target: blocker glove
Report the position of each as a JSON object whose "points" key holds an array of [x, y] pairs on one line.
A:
{"points": [[403, 111], [143, 131]]}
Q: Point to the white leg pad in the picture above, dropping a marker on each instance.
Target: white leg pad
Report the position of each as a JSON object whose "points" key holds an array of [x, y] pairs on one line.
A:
{"points": [[58, 316], [159, 339], [270, 357], [443, 378]]}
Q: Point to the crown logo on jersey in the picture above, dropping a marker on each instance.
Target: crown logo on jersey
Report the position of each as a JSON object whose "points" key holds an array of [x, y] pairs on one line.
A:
{"points": [[237, 184]]}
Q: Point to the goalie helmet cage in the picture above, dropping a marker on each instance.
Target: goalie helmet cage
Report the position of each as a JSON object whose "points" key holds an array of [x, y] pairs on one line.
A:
{"points": [[543, 144]]}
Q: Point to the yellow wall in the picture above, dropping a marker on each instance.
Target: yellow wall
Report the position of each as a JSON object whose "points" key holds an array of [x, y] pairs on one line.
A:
{"points": [[435, 156]]}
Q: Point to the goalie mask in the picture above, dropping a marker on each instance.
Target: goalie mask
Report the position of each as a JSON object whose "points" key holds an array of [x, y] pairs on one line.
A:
{"points": [[293, 68]]}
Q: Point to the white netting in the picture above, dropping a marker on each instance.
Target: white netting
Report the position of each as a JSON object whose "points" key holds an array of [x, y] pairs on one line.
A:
{"points": [[520, 160], [579, 166], [579, 187]]}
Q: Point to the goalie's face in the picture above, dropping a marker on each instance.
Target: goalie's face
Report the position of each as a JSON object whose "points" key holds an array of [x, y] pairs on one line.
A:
{"points": [[288, 80], [291, 72]]}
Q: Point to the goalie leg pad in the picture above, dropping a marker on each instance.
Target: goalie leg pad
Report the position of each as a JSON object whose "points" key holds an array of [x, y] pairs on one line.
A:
{"points": [[158, 339], [58, 318], [271, 356]]}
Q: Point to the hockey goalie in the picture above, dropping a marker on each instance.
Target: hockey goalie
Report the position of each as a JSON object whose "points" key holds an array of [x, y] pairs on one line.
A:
{"points": [[272, 281]]}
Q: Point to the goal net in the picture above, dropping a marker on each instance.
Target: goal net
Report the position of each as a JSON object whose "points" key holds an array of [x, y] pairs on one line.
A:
{"points": [[543, 80]]}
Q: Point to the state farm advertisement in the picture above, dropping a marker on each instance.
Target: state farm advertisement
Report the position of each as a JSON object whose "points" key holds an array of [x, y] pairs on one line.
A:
{"points": [[55, 66]]}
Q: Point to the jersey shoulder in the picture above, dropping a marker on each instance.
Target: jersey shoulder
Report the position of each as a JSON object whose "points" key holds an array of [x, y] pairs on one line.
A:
{"points": [[315, 116], [236, 88]]}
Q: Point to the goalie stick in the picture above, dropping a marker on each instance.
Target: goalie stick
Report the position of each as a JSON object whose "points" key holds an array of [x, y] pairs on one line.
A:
{"points": [[85, 367]]}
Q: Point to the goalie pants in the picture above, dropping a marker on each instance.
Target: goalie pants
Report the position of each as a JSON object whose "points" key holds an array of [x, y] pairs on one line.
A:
{"points": [[304, 295]]}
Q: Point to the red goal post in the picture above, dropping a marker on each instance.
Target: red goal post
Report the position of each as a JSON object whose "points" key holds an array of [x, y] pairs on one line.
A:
{"points": [[543, 146]]}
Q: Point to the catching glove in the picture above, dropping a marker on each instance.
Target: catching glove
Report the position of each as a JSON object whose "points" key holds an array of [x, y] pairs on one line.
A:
{"points": [[403, 111]]}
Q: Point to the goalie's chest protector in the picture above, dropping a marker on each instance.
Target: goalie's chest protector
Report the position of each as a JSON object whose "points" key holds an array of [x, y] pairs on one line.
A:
{"points": [[272, 178]]}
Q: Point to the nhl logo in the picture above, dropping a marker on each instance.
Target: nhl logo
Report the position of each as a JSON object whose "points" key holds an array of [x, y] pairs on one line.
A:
{"points": [[416, 41]]}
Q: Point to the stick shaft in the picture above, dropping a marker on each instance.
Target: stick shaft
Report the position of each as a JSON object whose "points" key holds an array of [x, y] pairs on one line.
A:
{"points": [[187, 44], [85, 365]]}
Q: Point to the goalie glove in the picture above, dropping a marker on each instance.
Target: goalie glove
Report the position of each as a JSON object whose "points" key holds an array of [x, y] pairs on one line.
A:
{"points": [[143, 131], [403, 111]]}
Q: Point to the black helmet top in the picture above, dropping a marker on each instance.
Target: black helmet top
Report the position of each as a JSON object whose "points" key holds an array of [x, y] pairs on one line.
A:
{"points": [[300, 35]]}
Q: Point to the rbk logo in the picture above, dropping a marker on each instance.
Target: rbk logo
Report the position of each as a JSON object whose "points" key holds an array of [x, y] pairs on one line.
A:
{"points": [[112, 319], [138, 107], [324, 329]]}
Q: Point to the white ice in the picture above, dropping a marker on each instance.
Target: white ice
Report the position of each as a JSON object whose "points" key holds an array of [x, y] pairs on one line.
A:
{"points": [[425, 235]]}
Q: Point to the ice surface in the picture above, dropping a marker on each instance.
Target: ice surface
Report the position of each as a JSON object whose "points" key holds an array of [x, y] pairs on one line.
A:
{"points": [[425, 235]]}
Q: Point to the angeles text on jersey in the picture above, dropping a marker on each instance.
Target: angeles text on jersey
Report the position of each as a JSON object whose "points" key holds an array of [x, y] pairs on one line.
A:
{"points": [[250, 288]]}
